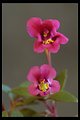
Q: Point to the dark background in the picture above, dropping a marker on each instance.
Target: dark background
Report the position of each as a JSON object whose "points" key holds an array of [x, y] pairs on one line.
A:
{"points": [[18, 56]]}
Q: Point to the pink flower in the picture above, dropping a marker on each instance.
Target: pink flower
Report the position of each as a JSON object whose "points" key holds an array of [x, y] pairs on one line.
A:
{"points": [[42, 80], [46, 34]]}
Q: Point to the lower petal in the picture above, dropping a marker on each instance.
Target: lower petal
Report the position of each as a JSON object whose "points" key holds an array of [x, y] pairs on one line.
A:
{"points": [[44, 93], [38, 47], [33, 89], [54, 48], [55, 86]]}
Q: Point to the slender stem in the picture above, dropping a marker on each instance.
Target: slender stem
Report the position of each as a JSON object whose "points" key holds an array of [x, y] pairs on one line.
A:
{"points": [[48, 55]]}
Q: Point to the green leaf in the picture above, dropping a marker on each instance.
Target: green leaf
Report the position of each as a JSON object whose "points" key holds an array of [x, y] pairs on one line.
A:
{"points": [[7, 90], [27, 112], [4, 114], [30, 99], [62, 77], [63, 96], [26, 101], [25, 84], [21, 91], [16, 113]]}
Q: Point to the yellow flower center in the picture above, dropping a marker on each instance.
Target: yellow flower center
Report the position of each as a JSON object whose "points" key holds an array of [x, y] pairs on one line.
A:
{"points": [[48, 41], [43, 86]]}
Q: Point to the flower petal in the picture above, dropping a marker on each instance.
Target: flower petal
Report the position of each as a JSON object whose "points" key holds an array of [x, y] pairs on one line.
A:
{"points": [[54, 48], [47, 24], [33, 90], [41, 93], [34, 74], [61, 38], [47, 72], [33, 26], [38, 47], [56, 24], [55, 86], [44, 93]]}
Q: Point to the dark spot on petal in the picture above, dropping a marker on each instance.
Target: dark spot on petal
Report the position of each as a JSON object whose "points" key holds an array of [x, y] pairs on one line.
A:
{"points": [[55, 37], [45, 93]]}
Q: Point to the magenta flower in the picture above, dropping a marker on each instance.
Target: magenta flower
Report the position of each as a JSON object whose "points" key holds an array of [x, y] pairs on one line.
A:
{"points": [[42, 80], [46, 34]]}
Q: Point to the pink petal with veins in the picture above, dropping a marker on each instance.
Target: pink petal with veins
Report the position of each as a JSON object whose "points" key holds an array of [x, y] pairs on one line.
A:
{"points": [[54, 48], [44, 93], [47, 71], [61, 38], [38, 46], [33, 26], [33, 90], [55, 86], [55, 23], [34, 74]]}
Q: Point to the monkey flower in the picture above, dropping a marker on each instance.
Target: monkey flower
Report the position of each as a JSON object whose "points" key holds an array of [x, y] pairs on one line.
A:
{"points": [[46, 34], [42, 80]]}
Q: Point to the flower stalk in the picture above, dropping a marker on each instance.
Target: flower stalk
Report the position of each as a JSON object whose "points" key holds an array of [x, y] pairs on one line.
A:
{"points": [[48, 55]]}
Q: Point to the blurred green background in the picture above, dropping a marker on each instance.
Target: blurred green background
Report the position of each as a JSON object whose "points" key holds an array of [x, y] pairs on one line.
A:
{"points": [[17, 46]]}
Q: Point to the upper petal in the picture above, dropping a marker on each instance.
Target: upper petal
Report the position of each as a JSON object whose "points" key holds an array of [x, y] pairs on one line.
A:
{"points": [[47, 71], [38, 46], [55, 24], [47, 24], [33, 26], [34, 74]]}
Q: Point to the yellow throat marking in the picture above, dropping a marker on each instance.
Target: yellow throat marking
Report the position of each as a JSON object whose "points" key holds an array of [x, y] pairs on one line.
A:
{"points": [[43, 86], [45, 34], [48, 41]]}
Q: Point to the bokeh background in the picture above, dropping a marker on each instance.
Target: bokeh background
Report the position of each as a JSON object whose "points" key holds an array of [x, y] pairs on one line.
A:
{"points": [[18, 55]]}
